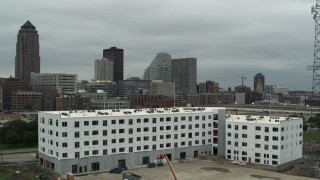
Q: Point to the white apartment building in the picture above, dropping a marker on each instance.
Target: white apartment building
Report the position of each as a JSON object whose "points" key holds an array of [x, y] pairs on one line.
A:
{"points": [[263, 140], [62, 82], [87, 141]]}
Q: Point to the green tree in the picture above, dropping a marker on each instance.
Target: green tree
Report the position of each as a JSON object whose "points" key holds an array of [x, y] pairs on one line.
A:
{"points": [[12, 138], [29, 137]]}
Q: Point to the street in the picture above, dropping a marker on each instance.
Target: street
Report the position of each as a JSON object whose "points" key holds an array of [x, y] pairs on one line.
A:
{"points": [[18, 155]]}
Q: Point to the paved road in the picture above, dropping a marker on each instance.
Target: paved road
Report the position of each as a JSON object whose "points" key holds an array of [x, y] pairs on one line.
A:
{"points": [[18, 155]]}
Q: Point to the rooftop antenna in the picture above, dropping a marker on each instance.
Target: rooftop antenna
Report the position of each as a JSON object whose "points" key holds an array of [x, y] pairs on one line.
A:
{"points": [[242, 79], [315, 68]]}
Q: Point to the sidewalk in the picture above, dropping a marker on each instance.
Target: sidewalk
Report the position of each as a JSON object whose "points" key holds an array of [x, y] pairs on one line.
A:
{"points": [[19, 151]]}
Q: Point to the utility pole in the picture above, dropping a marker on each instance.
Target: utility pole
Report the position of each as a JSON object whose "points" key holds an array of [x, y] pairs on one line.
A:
{"points": [[315, 68]]}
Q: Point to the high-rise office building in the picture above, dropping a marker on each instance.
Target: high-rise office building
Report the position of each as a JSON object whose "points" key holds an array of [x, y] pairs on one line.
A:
{"points": [[116, 56], [103, 69], [259, 83], [184, 74], [27, 52], [160, 68]]}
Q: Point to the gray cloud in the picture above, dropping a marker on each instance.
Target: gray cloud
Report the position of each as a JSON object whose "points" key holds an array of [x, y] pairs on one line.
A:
{"points": [[229, 38]]}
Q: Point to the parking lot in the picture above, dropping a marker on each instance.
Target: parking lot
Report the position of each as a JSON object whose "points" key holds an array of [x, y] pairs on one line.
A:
{"points": [[198, 170]]}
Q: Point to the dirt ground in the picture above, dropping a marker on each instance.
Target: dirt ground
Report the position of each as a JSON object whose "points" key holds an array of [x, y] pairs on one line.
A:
{"points": [[199, 170]]}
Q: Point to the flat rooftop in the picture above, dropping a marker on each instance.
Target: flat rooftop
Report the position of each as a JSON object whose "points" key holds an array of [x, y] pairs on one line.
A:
{"points": [[123, 112], [259, 119]]}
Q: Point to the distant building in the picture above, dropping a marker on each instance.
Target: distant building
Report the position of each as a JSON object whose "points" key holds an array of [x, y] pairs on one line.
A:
{"points": [[26, 101], [158, 87], [72, 101], [27, 52], [103, 69], [202, 88], [212, 87], [133, 86], [110, 104], [160, 68], [106, 86], [10, 86], [62, 82], [263, 139], [258, 83], [1, 98], [115, 55], [184, 74], [48, 97]]}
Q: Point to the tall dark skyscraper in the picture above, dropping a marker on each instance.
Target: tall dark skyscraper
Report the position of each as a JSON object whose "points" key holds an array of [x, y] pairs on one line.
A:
{"points": [[184, 74], [27, 52], [258, 83], [116, 55]]}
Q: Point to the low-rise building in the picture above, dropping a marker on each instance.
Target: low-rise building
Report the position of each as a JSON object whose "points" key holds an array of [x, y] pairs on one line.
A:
{"points": [[263, 140], [87, 141], [26, 101]]}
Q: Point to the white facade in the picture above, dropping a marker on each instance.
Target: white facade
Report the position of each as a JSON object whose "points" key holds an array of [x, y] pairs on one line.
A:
{"points": [[84, 141], [62, 82], [263, 139]]}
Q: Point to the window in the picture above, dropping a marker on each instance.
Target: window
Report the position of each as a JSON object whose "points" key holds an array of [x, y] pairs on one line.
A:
{"points": [[244, 144], [203, 117], [130, 131], [175, 128], [86, 133], [64, 155], [275, 129], [175, 136], [146, 138], [161, 128], [64, 124], [76, 134], [138, 148], [130, 140], [257, 145], [76, 144], [64, 144], [76, 124], [154, 138], [256, 160], [274, 156], [183, 118], [113, 141], [168, 136], [130, 121], [154, 120], [121, 140], [274, 162], [197, 126], [236, 127], [229, 142], [161, 119], [145, 129], [95, 142], [266, 129], [95, 132], [64, 134], [86, 143], [266, 147], [113, 122], [203, 126], [183, 126], [138, 138], [168, 127], [105, 142], [145, 147], [258, 128], [130, 149], [86, 123], [229, 134], [138, 120], [76, 154], [168, 119], [236, 135], [266, 138], [95, 123], [244, 135], [105, 152], [196, 134], [57, 122], [258, 137], [244, 153], [122, 149], [196, 118], [105, 132], [257, 154], [113, 150], [105, 122], [274, 138], [95, 166], [146, 120], [86, 153], [244, 127], [274, 147], [229, 126], [121, 121], [190, 118], [154, 129], [121, 131], [138, 129], [175, 119], [168, 145], [161, 136]]}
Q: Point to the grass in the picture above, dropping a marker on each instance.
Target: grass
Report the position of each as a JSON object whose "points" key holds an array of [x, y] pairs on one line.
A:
{"points": [[6, 175], [17, 146], [313, 137]]}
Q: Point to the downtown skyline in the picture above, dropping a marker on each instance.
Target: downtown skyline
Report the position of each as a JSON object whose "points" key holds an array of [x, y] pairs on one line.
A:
{"points": [[273, 38]]}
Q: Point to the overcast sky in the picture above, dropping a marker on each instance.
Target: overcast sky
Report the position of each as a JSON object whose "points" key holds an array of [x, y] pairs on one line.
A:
{"points": [[228, 38]]}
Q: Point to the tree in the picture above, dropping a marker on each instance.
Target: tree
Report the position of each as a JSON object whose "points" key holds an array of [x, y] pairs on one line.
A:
{"points": [[29, 137], [12, 138]]}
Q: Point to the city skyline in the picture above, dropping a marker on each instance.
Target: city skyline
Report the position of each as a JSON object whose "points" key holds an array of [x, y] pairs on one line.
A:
{"points": [[273, 38]]}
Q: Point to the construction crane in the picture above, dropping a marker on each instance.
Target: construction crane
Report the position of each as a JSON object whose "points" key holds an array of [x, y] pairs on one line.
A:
{"points": [[164, 156], [242, 79]]}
